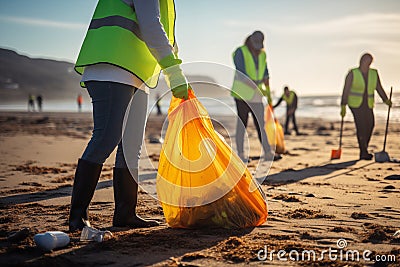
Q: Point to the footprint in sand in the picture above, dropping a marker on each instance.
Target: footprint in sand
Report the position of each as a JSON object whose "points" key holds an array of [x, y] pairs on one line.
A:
{"points": [[389, 189], [378, 233], [340, 229], [286, 198], [308, 214], [393, 177], [359, 215]]}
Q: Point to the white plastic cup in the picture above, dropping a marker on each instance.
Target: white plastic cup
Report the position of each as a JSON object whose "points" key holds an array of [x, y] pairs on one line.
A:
{"points": [[51, 240], [93, 234]]}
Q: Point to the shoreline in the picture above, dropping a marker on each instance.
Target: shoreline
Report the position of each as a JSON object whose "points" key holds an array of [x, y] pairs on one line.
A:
{"points": [[329, 113]]}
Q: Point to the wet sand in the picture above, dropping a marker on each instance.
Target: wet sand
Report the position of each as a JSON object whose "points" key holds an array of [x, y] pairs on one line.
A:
{"points": [[312, 201]]}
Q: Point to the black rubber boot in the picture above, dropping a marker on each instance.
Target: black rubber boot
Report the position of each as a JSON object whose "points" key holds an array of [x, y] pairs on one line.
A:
{"points": [[86, 177], [125, 197]]}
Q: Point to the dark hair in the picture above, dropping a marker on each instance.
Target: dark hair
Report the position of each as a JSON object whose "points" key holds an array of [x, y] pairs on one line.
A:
{"points": [[247, 41], [365, 57]]}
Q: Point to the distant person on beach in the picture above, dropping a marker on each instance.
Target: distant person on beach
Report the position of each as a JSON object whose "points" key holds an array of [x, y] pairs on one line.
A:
{"points": [[39, 100], [358, 94], [79, 101], [290, 97], [158, 104], [251, 83], [127, 44], [31, 103]]}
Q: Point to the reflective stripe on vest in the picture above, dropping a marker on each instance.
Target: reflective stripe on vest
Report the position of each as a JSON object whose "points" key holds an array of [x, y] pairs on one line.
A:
{"points": [[358, 87], [119, 21], [289, 100], [241, 89], [114, 37]]}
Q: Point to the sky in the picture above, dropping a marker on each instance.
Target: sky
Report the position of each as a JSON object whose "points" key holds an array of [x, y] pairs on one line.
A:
{"points": [[310, 44]]}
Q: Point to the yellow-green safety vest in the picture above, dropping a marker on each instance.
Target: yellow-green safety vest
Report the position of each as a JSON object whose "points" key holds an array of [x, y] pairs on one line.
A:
{"points": [[358, 87], [114, 37], [289, 100], [240, 89]]}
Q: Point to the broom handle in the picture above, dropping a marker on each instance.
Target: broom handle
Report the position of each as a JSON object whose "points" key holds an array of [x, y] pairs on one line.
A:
{"points": [[341, 132], [387, 120]]}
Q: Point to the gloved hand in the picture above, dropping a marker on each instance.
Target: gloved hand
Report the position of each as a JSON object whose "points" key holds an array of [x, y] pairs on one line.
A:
{"points": [[343, 111], [176, 81], [174, 76], [388, 102], [266, 93]]}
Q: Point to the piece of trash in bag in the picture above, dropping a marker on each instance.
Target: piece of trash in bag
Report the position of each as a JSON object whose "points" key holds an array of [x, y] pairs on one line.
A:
{"points": [[93, 234]]}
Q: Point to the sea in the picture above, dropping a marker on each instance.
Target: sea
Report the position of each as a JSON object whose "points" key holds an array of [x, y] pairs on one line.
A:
{"points": [[324, 107]]}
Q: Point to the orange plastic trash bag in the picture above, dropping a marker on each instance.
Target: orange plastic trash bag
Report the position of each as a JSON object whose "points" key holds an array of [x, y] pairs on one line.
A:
{"points": [[274, 131], [201, 182]]}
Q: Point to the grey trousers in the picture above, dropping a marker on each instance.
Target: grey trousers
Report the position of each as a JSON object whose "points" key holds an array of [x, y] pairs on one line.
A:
{"points": [[257, 111]]}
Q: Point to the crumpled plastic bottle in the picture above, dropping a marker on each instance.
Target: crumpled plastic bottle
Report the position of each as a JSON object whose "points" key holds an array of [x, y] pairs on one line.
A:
{"points": [[93, 234]]}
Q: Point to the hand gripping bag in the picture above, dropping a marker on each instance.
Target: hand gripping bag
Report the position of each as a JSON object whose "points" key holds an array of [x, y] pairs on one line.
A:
{"points": [[274, 131], [201, 182]]}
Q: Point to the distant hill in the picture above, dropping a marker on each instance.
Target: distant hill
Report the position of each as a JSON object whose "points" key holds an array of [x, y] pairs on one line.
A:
{"points": [[21, 75], [56, 80]]}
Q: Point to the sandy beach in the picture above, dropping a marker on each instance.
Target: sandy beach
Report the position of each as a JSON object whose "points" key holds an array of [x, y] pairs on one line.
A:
{"points": [[313, 201]]}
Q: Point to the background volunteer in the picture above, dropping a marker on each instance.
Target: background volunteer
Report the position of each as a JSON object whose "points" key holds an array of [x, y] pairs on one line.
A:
{"points": [[290, 98], [250, 85], [359, 94]]}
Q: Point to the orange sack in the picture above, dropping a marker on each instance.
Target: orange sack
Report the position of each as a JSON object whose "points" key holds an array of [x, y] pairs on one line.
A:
{"points": [[274, 131], [201, 182]]}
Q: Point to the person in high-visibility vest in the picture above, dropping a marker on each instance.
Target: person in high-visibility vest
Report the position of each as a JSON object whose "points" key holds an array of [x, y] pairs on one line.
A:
{"points": [[39, 101], [31, 103], [251, 84], [290, 97], [359, 94], [127, 44]]}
